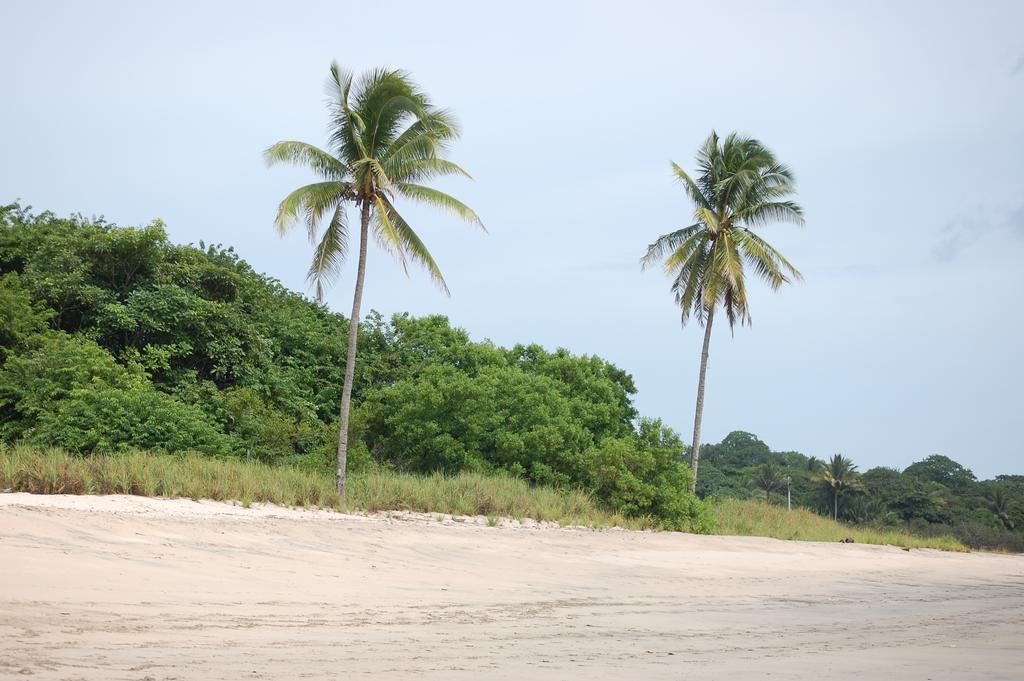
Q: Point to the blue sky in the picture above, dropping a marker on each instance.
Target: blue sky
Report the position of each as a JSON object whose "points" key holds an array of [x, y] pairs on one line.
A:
{"points": [[902, 121]]}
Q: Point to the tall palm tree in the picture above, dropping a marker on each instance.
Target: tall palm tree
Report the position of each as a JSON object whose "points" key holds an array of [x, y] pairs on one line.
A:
{"points": [[386, 139], [739, 186], [768, 479], [838, 476]]}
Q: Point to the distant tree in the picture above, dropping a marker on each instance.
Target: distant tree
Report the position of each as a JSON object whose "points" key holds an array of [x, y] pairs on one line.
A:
{"points": [[385, 139], [813, 464], [738, 449], [768, 479], [910, 497], [945, 471], [739, 185], [838, 476]]}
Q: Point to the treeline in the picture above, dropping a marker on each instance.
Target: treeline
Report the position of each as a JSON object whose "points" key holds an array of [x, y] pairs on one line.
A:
{"points": [[935, 496], [113, 338]]}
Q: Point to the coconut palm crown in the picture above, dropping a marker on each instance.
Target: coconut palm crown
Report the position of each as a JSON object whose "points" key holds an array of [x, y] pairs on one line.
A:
{"points": [[386, 140]]}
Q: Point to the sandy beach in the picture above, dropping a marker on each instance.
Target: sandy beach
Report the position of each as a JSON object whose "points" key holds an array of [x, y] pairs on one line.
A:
{"points": [[142, 589]]}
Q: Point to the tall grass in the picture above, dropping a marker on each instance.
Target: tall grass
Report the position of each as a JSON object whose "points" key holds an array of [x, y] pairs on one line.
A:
{"points": [[53, 471], [756, 518]]}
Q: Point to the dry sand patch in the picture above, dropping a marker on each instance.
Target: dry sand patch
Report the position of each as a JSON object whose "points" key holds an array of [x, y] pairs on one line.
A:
{"points": [[135, 588]]}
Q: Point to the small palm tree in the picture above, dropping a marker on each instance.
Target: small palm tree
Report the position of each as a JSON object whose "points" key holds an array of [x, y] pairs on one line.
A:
{"points": [[838, 476], [768, 479], [863, 509], [740, 185], [386, 139], [999, 503], [813, 464]]}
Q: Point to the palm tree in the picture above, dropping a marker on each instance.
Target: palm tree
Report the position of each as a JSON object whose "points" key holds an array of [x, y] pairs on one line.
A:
{"points": [[768, 479], [813, 463], [838, 476], [386, 139], [739, 186], [999, 503]]}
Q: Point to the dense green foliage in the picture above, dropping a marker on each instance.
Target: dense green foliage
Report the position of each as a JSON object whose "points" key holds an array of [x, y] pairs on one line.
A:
{"points": [[113, 339], [933, 497]]}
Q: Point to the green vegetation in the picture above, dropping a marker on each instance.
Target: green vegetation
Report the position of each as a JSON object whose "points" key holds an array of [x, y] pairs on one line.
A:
{"points": [[386, 139], [740, 185], [114, 339], [53, 471], [936, 497], [755, 518]]}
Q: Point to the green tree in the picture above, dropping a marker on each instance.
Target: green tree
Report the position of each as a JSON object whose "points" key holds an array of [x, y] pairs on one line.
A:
{"points": [[768, 479], [386, 138], [740, 185], [945, 471], [838, 476], [738, 449]]}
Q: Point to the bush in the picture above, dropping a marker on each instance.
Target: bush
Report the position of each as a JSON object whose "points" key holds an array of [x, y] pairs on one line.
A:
{"points": [[71, 393], [643, 476], [105, 418], [502, 418]]}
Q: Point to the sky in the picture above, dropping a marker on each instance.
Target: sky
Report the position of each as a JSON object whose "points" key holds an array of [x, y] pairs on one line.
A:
{"points": [[904, 124]]}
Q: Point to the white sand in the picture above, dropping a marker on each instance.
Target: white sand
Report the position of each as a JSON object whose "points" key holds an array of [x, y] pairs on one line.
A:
{"points": [[131, 588]]}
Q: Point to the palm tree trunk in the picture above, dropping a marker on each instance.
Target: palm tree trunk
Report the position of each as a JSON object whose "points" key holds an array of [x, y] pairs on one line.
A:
{"points": [[350, 359], [695, 449], [835, 504]]}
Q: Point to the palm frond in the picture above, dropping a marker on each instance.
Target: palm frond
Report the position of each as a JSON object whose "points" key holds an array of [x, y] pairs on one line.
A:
{"points": [[667, 243], [692, 188], [774, 211], [681, 256], [418, 170], [330, 253], [771, 265], [347, 126], [311, 203], [426, 137], [413, 245], [439, 199], [302, 154], [388, 237], [709, 218], [688, 285]]}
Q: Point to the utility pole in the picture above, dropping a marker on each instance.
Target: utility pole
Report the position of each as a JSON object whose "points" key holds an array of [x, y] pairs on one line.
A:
{"points": [[789, 492]]}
